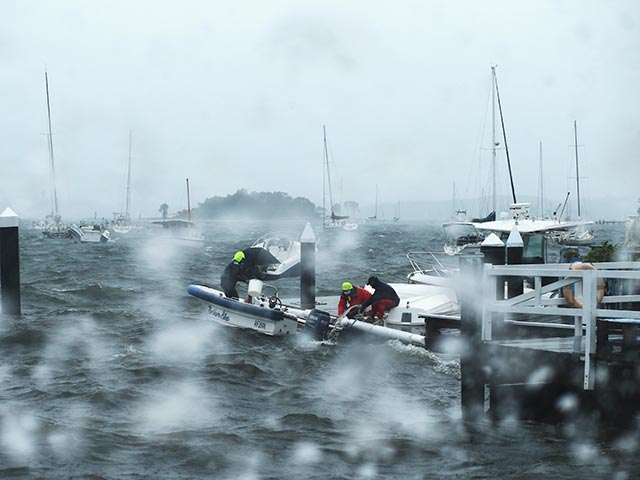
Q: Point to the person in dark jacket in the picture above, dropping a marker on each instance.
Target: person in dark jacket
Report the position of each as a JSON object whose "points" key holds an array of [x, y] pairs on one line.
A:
{"points": [[384, 298], [351, 295], [232, 273]]}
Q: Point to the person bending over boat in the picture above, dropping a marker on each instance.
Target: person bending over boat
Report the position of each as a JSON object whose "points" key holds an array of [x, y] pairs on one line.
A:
{"points": [[351, 295], [384, 298], [232, 273], [570, 291]]}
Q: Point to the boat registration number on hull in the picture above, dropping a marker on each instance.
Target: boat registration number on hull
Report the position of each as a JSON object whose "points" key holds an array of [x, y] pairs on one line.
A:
{"points": [[259, 324]]}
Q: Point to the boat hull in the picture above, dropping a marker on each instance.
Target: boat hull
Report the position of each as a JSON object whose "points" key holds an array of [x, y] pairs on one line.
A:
{"points": [[236, 313], [89, 235]]}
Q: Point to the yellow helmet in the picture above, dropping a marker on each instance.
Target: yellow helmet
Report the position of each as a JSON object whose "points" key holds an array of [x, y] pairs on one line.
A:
{"points": [[346, 287], [239, 256]]}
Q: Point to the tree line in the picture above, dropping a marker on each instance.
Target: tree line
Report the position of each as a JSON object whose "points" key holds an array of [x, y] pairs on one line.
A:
{"points": [[244, 204]]}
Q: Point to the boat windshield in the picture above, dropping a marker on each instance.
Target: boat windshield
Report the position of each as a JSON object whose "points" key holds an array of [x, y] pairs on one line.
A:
{"points": [[534, 248]]}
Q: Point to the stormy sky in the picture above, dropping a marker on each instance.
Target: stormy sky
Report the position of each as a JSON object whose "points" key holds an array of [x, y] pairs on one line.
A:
{"points": [[234, 95]]}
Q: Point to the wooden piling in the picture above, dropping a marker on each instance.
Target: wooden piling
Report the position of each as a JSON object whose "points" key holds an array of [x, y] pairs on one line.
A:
{"points": [[308, 268], [515, 252], [9, 263], [472, 376]]}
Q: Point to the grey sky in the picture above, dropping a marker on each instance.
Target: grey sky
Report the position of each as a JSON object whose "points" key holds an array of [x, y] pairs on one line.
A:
{"points": [[234, 95]]}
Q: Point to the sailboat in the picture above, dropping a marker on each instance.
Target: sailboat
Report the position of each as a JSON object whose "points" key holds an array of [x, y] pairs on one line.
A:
{"points": [[397, 215], [122, 223], [519, 213], [582, 235], [374, 217], [53, 226], [181, 231], [333, 221]]}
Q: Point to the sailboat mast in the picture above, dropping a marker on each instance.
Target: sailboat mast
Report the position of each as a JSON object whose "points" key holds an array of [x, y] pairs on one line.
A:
{"points": [[324, 175], [504, 134], [575, 138], [541, 200], [53, 173], [326, 158], [453, 201], [188, 202], [127, 208], [493, 142], [375, 215]]}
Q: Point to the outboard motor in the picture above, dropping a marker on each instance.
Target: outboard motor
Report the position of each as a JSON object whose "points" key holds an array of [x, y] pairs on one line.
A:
{"points": [[317, 324]]}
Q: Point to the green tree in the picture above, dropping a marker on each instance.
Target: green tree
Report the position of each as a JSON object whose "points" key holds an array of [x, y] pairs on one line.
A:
{"points": [[164, 208]]}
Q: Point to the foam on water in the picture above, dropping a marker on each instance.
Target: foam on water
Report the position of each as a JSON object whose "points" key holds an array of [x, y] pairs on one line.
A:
{"points": [[114, 371]]}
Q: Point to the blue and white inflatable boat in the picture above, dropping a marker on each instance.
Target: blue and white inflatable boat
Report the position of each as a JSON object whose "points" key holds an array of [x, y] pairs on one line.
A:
{"points": [[261, 315]]}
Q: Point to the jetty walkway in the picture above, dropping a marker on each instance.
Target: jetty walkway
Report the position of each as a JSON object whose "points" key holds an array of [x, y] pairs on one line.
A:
{"points": [[531, 356]]}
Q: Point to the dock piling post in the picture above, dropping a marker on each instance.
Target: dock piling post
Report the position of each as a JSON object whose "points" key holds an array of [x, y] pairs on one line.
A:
{"points": [[515, 252], [472, 375], [307, 268], [9, 263], [494, 252]]}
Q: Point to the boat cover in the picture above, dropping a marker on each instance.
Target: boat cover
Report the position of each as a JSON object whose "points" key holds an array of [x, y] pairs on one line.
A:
{"points": [[259, 256]]}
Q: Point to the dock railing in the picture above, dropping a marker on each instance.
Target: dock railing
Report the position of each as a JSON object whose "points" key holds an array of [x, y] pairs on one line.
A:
{"points": [[540, 305]]}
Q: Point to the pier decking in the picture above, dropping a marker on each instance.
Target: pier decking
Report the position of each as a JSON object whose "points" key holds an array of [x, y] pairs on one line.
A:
{"points": [[532, 357]]}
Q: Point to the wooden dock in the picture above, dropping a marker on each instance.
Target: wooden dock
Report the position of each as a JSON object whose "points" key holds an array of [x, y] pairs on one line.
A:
{"points": [[531, 357]]}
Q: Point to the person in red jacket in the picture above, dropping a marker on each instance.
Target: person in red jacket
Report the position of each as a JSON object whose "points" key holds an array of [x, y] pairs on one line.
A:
{"points": [[351, 295]]}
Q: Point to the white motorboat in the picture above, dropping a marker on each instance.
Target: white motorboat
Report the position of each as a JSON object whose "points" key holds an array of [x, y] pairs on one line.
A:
{"points": [[427, 269], [420, 301], [274, 256], [90, 232]]}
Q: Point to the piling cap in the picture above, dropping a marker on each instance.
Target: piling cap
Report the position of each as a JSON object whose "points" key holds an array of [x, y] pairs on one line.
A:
{"points": [[492, 241], [8, 218], [515, 239], [307, 235]]}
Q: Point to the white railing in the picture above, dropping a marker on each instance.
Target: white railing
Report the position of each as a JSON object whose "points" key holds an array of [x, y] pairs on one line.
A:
{"points": [[539, 303]]}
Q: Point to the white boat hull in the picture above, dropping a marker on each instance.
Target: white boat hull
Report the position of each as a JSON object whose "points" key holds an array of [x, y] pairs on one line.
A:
{"points": [[236, 313], [417, 301], [89, 235], [121, 228]]}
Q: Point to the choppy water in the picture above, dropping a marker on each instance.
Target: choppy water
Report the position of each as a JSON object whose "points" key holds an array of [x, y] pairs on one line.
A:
{"points": [[113, 371]]}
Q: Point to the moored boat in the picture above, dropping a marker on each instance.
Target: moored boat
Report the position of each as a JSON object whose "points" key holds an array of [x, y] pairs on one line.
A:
{"points": [[263, 316], [180, 231], [270, 316], [273, 256], [90, 232], [53, 227]]}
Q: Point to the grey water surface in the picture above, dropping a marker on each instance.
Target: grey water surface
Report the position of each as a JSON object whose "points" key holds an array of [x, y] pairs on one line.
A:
{"points": [[114, 372]]}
